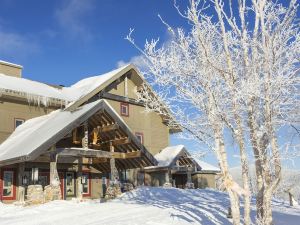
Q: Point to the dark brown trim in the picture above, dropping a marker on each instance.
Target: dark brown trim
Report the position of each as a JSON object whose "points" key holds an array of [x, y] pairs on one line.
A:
{"points": [[15, 120], [119, 98]]}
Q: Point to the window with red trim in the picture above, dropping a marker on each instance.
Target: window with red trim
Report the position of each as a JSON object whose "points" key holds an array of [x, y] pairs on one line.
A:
{"points": [[86, 185], [124, 108], [140, 136], [8, 184]]}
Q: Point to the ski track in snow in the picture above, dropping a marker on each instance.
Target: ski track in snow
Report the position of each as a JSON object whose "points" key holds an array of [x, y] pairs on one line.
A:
{"points": [[146, 205]]}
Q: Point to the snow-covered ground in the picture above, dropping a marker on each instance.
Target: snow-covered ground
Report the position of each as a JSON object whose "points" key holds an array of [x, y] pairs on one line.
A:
{"points": [[146, 205]]}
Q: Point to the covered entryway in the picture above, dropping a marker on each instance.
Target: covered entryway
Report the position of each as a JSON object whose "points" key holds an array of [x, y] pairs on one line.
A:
{"points": [[179, 180], [91, 138]]}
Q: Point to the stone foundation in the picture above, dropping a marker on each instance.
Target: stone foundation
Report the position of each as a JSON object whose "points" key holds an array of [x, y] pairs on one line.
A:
{"points": [[189, 185], [128, 187], [35, 194], [167, 185], [113, 191], [52, 192]]}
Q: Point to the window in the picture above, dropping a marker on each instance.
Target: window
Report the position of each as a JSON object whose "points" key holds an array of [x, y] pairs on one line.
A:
{"points": [[8, 177], [8, 186], [18, 122], [124, 109], [44, 179], [70, 184], [140, 137], [86, 184]]}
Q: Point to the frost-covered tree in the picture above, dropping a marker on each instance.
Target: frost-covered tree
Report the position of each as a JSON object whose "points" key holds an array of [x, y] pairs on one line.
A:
{"points": [[236, 71]]}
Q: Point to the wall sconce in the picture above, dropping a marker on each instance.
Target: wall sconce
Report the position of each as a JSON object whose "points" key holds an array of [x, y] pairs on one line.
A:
{"points": [[35, 174], [24, 180], [84, 180]]}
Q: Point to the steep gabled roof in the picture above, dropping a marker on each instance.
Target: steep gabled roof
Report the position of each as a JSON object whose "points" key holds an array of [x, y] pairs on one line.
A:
{"points": [[36, 136], [37, 91], [206, 167], [73, 96], [168, 157]]}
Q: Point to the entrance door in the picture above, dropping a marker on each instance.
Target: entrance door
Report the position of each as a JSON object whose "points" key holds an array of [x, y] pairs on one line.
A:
{"points": [[70, 184], [180, 180]]}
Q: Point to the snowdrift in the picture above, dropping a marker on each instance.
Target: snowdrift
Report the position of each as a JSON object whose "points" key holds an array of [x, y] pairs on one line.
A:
{"points": [[145, 205]]}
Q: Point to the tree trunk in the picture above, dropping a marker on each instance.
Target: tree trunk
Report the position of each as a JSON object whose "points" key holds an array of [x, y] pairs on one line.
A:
{"points": [[227, 179]]}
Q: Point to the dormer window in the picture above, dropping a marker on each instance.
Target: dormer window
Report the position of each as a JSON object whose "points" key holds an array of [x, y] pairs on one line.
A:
{"points": [[18, 122], [140, 137], [124, 109]]}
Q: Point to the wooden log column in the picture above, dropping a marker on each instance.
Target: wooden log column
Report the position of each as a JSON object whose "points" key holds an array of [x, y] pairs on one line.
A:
{"points": [[54, 178], [189, 183], [113, 169], [21, 188], [79, 179], [53, 191], [167, 177], [85, 139]]}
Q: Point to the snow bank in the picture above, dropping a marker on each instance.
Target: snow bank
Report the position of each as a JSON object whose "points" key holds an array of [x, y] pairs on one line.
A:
{"points": [[147, 205]]}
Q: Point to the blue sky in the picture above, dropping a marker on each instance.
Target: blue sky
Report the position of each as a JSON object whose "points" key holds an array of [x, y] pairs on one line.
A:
{"points": [[63, 41]]}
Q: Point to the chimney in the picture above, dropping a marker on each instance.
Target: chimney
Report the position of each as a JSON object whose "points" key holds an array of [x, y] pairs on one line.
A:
{"points": [[10, 69]]}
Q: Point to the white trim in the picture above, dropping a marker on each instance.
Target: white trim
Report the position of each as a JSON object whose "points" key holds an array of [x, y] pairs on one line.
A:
{"points": [[10, 64]]}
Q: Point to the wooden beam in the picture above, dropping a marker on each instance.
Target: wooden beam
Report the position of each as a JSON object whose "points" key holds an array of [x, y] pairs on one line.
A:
{"points": [[99, 160], [129, 155], [84, 152], [76, 140], [109, 128], [119, 98], [116, 142]]}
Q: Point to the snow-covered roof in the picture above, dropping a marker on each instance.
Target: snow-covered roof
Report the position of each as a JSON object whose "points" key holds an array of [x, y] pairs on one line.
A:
{"points": [[167, 155], [37, 91], [10, 64], [206, 167], [33, 134], [37, 135]]}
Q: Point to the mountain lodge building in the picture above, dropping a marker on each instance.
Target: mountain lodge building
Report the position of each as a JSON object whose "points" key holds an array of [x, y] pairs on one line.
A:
{"points": [[74, 141]]}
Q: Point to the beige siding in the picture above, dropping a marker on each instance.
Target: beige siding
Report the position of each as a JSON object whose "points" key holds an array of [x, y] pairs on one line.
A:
{"points": [[204, 180], [155, 179], [10, 70], [11, 111], [120, 89], [156, 134]]}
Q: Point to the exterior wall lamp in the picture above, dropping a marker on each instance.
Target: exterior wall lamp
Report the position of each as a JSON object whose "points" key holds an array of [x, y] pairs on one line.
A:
{"points": [[24, 180]]}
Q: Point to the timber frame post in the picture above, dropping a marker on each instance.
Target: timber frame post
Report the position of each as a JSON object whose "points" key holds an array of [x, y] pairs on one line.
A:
{"points": [[85, 139], [189, 184], [167, 179], [79, 179], [53, 191], [21, 188], [54, 178], [113, 169]]}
